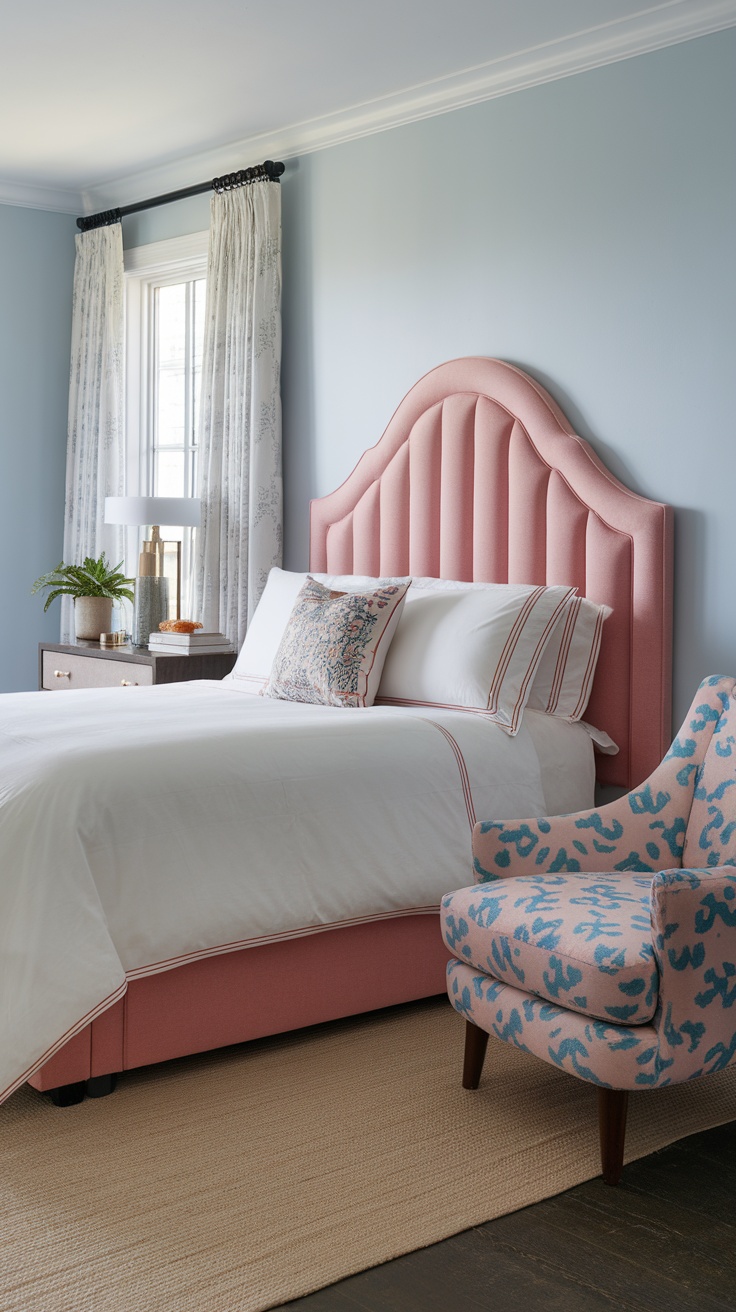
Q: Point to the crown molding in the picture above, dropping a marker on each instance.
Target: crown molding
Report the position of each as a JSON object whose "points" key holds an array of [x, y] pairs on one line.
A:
{"points": [[60, 200], [660, 25]]}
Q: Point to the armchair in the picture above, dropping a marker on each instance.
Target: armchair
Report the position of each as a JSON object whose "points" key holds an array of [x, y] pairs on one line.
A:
{"points": [[605, 942]]}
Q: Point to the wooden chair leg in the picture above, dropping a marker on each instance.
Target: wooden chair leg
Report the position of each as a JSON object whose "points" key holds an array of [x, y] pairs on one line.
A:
{"points": [[476, 1042], [612, 1107]]}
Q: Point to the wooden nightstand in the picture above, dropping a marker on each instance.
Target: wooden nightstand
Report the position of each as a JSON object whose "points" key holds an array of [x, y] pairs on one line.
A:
{"points": [[87, 665]]}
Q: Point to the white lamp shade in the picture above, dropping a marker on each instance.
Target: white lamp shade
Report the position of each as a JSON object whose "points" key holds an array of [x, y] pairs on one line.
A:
{"points": [[177, 511]]}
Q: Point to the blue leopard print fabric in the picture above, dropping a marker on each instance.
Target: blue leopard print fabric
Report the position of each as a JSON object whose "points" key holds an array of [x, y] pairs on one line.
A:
{"points": [[586, 942], [644, 831], [581, 941]]}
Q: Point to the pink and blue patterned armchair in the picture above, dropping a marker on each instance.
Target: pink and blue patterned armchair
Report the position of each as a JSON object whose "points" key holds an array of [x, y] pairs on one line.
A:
{"points": [[605, 942]]}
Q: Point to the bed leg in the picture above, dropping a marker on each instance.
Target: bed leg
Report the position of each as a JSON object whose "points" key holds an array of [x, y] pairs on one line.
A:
{"points": [[99, 1086], [67, 1095]]}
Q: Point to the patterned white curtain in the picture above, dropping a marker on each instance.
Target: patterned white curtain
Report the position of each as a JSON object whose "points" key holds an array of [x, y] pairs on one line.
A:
{"points": [[240, 420], [95, 460]]}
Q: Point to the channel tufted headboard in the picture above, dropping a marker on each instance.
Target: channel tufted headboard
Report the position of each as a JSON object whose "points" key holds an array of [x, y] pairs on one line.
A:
{"points": [[480, 477]]}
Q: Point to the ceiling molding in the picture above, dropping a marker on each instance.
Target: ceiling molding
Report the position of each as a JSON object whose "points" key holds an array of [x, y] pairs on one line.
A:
{"points": [[58, 199], [664, 24]]}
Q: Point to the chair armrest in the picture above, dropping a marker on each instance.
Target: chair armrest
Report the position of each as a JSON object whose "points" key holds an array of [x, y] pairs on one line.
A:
{"points": [[638, 832], [643, 831], [694, 936]]}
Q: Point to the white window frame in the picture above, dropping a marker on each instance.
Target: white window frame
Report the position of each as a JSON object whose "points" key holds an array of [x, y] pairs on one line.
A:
{"points": [[158, 264]]}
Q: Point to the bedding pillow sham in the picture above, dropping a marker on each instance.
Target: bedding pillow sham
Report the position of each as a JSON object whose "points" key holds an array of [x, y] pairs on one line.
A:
{"points": [[474, 645], [252, 669], [564, 680], [334, 645]]}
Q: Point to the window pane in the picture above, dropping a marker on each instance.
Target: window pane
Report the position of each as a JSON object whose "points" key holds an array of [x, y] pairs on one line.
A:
{"points": [[168, 474], [176, 327], [170, 408], [172, 308]]}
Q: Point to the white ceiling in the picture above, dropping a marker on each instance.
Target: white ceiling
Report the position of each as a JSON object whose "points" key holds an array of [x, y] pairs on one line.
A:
{"points": [[101, 102]]}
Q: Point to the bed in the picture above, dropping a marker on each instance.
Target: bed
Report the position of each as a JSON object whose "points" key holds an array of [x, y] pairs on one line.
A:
{"points": [[478, 477]]}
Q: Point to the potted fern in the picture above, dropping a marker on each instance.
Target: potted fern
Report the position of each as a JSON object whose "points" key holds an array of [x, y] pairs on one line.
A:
{"points": [[94, 585]]}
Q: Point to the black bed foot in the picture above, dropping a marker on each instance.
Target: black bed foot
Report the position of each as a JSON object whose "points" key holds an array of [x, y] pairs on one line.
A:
{"points": [[100, 1085], [67, 1095]]}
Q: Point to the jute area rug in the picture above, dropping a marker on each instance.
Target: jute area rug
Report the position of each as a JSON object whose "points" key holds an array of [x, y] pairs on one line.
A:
{"points": [[240, 1179]]}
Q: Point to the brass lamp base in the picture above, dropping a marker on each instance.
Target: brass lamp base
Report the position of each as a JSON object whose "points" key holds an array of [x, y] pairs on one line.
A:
{"points": [[161, 558]]}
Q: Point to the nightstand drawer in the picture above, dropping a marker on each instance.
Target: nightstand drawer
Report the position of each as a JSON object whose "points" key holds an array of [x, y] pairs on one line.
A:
{"points": [[63, 670]]}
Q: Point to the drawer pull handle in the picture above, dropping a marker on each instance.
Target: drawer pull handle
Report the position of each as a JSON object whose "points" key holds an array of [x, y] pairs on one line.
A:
{"points": [[128, 683], [62, 674]]}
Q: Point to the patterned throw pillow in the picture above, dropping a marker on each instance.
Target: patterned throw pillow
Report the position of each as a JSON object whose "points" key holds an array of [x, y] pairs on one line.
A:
{"points": [[334, 645]]}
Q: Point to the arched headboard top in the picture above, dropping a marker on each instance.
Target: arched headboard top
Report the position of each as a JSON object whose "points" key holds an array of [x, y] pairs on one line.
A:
{"points": [[480, 477]]}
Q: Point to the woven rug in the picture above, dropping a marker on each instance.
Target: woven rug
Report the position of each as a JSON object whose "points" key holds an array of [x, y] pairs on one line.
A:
{"points": [[235, 1181]]}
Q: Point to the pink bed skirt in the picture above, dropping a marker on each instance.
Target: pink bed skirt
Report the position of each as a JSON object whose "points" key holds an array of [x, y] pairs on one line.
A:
{"points": [[254, 992]]}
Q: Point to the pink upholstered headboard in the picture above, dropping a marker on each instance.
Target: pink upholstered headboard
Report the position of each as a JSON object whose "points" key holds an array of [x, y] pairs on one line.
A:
{"points": [[480, 477]]}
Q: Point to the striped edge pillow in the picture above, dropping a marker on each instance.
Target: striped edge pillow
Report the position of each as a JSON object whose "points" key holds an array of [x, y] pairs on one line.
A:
{"points": [[334, 645], [472, 648], [564, 680]]}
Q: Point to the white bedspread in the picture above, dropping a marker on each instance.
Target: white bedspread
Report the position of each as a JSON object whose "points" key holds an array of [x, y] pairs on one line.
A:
{"points": [[140, 827]]}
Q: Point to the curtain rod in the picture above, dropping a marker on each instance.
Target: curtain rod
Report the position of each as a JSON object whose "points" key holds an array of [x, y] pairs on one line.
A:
{"points": [[270, 170]]}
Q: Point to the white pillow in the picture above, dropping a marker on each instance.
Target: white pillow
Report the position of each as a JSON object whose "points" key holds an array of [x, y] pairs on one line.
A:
{"points": [[564, 680], [335, 644], [252, 669], [472, 645]]}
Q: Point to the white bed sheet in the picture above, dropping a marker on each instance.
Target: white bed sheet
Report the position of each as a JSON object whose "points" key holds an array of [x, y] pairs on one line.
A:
{"points": [[143, 827]]}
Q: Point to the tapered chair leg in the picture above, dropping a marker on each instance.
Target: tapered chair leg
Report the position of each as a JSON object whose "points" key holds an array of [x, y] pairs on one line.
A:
{"points": [[612, 1108], [476, 1042]]}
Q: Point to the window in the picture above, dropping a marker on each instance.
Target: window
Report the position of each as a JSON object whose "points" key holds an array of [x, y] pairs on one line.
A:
{"points": [[165, 303]]}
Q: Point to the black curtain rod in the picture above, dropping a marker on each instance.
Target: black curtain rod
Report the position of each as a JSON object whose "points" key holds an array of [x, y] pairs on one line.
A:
{"points": [[270, 170]]}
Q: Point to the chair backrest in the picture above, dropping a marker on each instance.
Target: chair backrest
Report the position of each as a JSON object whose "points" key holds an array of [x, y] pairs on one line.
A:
{"points": [[710, 838]]}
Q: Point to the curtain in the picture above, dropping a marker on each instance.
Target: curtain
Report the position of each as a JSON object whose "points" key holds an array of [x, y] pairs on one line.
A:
{"points": [[240, 418], [95, 462]]}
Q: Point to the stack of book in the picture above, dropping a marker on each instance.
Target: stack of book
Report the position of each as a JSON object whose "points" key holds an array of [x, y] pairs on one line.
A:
{"points": [[183, 644]]}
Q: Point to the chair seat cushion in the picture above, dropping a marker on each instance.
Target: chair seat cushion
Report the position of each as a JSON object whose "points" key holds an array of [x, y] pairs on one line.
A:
{"points": [[583, 942]]}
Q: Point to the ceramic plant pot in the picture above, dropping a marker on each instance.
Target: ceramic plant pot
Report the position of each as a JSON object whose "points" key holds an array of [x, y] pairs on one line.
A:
{"points": [[92, 616]]}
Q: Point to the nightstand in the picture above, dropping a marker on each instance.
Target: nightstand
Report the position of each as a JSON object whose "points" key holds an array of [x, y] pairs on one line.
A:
{"points": [[87, 665]]}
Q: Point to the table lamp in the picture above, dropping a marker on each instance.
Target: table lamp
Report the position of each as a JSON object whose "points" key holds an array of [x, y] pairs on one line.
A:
{"points": [[158, 580]]}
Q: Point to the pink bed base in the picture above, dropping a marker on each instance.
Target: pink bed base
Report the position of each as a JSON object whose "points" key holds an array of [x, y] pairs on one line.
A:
{"points": [[479, 477], [248, 994]]}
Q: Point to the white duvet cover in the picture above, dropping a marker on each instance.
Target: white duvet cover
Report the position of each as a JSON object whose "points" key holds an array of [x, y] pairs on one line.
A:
{"points": [[142, 827]]}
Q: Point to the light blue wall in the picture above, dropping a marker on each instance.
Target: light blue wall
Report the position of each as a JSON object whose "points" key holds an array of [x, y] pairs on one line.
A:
{"points": [[584, 230], [184, 216], [36, 272]]}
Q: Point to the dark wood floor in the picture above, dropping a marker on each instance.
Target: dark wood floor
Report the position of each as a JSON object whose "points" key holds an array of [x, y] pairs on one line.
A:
{"points": [[663, 1241]]}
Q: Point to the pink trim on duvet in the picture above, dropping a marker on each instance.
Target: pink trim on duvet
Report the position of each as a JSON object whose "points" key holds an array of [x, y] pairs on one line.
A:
{"points": [[462, 767], [91, 1015], [156, 968]]}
